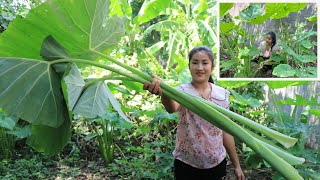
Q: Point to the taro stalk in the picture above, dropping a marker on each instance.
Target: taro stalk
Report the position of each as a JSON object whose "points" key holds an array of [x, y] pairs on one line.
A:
{"points": [[30, 88]]}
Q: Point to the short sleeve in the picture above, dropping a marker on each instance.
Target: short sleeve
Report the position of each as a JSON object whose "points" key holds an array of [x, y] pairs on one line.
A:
{"points": [[227, 106]]}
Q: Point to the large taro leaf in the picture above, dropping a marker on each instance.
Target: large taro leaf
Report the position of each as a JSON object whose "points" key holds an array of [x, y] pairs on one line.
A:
{"points": [[31, 90], [50, 140], [284, 70], [93, 102], [251, 12], [277, 11], [73, 83], [80, 26]]}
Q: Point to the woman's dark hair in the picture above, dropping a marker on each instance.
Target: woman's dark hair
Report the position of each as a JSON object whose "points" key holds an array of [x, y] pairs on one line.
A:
{"points": [[205, 49], [274, 38]]}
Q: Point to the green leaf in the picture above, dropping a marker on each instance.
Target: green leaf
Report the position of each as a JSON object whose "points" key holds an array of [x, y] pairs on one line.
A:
{"points": [[315, 112], [162, 25], [227, 64], [312, 18], [226, 27], [133, 85], [253, 161], [84, 28], [284, 70], [52, 50], [282, 84], [74, 84], [93, 102], [200, 7], [248, 52], [21, 132], [306, 43], [251, 12], [50, 140], [206, 31], [173, 41], [120, 8], [115, 87], [299, 101], [277, 58], [284, 9], [7, 122], [151, 9], [30, 90], [116, 105], [306, 58], [224, 8], [233, 84], [156, 47], [90, 136]]}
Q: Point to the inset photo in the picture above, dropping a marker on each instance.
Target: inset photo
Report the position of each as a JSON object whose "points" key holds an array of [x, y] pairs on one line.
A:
{"points": [[268, 40]]}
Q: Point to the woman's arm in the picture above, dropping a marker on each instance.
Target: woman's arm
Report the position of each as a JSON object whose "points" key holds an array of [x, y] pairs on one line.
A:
{"points": [[170, 105], [228, 142]]}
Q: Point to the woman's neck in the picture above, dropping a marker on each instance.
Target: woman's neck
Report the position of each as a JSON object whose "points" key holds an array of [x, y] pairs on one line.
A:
{"points": [[202, 86]]}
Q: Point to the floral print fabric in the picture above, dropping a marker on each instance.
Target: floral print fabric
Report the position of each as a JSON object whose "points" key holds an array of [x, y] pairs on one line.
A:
{"points": [[198, 142]]}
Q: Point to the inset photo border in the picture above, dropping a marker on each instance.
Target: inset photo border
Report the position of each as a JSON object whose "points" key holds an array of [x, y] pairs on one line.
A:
{"points": [[268, 40]]}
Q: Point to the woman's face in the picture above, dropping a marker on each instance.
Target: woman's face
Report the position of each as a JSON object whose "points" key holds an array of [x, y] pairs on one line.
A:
{"points": [[200, 67], [269, 39]]}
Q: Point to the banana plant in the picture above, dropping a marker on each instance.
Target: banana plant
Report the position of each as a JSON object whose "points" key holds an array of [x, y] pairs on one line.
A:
{"points": [[46, 88], [188, 23]]}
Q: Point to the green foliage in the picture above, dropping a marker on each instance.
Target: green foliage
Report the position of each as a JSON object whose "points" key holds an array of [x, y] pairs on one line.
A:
{"points": [[298, 55], [276, 84], [251, 12], [44, 83], [11, 8], [284, 70], [224, 8], [46, 86], [78, 32]]}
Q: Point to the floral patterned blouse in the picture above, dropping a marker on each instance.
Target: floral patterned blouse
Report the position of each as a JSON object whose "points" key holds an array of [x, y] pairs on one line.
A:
{"points": [[199, 143], [267, 52]]}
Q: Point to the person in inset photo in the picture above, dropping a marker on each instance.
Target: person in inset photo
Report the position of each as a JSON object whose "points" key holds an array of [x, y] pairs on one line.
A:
{"points": [[268, 40]]}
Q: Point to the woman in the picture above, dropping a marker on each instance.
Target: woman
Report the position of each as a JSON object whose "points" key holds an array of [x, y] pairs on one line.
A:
{"points": [[200, 151]]}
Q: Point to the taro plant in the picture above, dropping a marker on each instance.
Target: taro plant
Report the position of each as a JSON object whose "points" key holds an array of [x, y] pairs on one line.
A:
{"points": [[52, 83], [297, 124], [6, 140], [298, 55], [104, 131], [10, 132]]}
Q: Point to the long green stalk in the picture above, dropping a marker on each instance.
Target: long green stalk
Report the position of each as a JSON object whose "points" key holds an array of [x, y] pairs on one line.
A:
{"points": [[291, 159], [285, 140], [224, 123], [211, 115]]}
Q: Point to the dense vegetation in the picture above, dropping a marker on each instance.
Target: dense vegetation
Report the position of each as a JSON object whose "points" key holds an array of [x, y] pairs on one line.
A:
{"points": [[156, 42], [296, 40]]}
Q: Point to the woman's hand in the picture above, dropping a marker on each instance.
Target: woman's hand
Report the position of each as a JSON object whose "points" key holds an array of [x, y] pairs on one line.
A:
{"points": [[153, 87], [239, 174]]}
